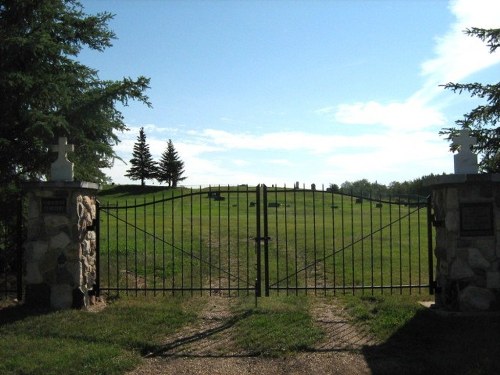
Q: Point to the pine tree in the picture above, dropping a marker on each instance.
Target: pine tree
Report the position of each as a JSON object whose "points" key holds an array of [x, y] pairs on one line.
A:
{"points": [[170, 167], [484, 119], [47, 93], [143, 166]]}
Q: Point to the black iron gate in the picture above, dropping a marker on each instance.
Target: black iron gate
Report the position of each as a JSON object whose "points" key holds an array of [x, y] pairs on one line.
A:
{"points": [[241, 240]]}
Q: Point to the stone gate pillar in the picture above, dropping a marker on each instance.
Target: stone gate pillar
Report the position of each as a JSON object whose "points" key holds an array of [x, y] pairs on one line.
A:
{"points": [[60, 248], [467, 220]]}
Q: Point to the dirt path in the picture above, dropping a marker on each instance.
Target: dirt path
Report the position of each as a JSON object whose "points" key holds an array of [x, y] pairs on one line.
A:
{"points": [[207, 347]]}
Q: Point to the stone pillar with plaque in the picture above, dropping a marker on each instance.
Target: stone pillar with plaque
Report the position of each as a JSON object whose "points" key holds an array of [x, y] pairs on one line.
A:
{"points": [[60, 248], [466, 217]]}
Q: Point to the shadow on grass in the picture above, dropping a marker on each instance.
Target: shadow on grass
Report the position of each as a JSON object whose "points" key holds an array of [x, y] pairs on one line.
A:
{"points": [[440, 344], [14, 313]]}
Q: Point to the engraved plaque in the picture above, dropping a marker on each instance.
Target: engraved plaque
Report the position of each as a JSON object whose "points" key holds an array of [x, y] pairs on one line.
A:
{"points": [[476, 219], [53, 205]]}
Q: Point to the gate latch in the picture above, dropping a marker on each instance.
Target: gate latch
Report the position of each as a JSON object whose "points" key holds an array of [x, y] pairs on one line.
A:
{"points": [[262, 239]]}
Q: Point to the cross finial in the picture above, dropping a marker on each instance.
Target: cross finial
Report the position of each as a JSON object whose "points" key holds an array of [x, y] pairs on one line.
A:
{"points": [[465, 160], [62, 168], [464, 140]]}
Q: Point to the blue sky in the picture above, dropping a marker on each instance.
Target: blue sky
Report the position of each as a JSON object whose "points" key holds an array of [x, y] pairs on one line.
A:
{"points": [[311, 91]]}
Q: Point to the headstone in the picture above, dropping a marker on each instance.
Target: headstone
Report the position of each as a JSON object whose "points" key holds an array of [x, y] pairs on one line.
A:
{"points": [[465, 161], [62, 168]]}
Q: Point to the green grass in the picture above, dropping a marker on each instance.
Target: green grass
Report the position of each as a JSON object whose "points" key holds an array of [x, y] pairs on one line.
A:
{"points": [[79, 342], [384, 315], [279, 326]]}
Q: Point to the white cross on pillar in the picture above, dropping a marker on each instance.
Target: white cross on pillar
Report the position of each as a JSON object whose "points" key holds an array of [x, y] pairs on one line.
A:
{"points": [[62, 168], [465, 161], [464, 140]]}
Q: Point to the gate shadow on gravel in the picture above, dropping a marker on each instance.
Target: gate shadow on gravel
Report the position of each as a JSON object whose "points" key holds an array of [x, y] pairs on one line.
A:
{"points": [[163, 351], [434, 343]]}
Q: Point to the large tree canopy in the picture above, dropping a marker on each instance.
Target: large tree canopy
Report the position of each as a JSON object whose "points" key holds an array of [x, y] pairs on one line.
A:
{"points": [[483, 120], [46, 93]]}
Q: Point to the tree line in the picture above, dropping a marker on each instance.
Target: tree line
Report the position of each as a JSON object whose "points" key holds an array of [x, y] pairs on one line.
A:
{"points": [[419, 186], [169, 169]]}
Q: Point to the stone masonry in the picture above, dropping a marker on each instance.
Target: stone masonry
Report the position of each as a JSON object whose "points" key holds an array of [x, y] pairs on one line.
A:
{"points": [[467, 221], [60, 250]]}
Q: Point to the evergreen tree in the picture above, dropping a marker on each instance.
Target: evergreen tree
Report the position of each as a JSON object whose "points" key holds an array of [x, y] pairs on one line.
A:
{"points": [[46, 93], [143, 166], [171, 167], [482, 120]]}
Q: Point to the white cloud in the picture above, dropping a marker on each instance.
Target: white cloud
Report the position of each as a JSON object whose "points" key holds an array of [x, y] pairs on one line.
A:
{"points": [[457, 54], [408, 115]]}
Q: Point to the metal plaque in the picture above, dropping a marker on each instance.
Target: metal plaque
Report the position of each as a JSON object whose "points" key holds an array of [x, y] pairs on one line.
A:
{"points": [[53, 205], [476, 219]]}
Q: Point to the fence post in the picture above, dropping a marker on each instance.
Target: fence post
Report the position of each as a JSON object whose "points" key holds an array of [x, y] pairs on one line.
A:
{"points": [[19, 255], [266, 242], [430, 254], [97, 285], [258, 280]]}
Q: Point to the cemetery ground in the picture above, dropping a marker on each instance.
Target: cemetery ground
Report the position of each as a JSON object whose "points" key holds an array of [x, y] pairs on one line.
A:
{"points": [[378, 334]]}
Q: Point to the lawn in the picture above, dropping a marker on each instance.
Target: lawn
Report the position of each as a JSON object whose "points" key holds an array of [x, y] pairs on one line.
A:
{"points": [[411, 339]]}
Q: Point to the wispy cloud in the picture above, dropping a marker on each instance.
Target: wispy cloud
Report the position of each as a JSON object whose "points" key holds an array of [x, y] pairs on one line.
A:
{"points": [[457, 56]]}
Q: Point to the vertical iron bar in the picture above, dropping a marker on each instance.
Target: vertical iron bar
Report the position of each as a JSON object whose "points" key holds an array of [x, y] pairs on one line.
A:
{"points": [[381, 244], [363, 249], [19, 252], [210, 240], [238, 240], [163, 241], [98, 249], [286, 242], [305, 237], [247, 205], [191, 240], [154, 245], [409, 247], [172, 237], [219, 262], [334, 249], [418, 246], [201, 241], [136, 260], [324, 237], [126, 247], [229, 240], [108, 241], [117, 250], [266, 242], [342, 222], [315, 256], [352, 241], [276, 236], [430, 254], [145, 247], [400, 251], [181, 224], [258, 281], [295, 239], [391, 250]]}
